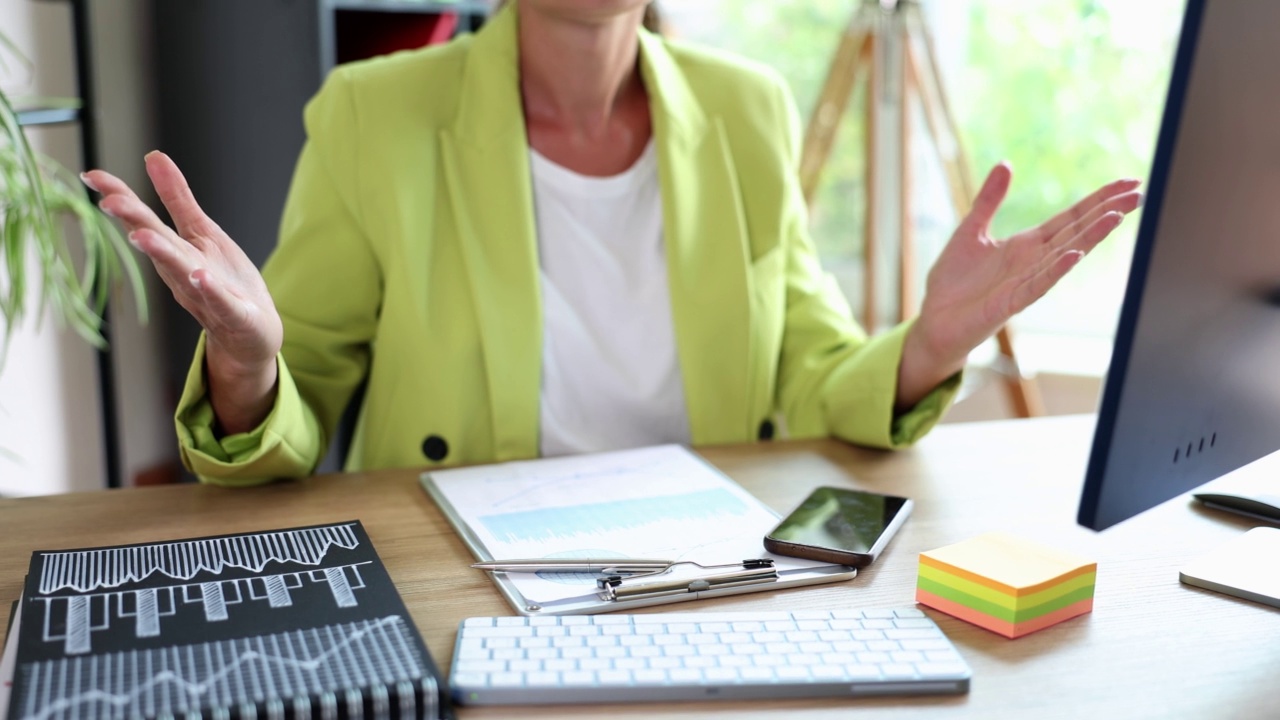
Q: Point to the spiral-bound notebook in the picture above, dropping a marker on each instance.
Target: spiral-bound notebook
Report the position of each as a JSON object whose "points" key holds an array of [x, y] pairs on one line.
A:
{"points": [[301, 622]]}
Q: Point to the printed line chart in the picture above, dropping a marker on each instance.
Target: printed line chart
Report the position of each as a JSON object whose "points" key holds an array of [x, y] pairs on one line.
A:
{"points": [[300, 666]]}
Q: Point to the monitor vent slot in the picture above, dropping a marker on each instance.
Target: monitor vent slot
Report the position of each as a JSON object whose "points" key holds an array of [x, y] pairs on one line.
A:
{"points": [[1196, 446]]}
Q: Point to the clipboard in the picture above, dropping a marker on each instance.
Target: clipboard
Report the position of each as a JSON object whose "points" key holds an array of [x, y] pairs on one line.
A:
{"points": [[661, 501]]}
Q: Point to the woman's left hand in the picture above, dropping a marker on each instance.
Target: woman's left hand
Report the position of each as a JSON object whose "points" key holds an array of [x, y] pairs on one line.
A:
{"points": [[979, 282]]}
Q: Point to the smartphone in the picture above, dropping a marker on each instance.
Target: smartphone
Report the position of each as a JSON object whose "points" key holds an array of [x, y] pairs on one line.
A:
{"points": [[849, 527]]}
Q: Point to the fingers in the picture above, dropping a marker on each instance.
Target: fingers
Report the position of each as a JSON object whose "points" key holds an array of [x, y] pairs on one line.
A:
{"points": [[1066, 237], [194, 287], [1082, 210], [989, 198], [176, 195], [1059, 263], [171, 262], [110, 186], [134, 213]]}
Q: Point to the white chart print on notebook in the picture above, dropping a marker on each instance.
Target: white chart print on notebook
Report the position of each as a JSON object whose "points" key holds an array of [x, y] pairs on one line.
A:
{"points": [[243, 624]]}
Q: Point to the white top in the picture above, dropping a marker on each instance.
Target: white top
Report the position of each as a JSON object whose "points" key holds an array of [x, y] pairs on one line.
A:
{"points": [[610, 375]]}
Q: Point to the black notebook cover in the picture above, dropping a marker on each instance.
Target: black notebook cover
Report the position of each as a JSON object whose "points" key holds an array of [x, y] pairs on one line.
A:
{"points": [[295, 623]]}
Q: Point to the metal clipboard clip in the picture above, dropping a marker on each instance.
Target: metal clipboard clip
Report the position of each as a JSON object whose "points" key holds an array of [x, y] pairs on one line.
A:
{"points": [[687, 577]]}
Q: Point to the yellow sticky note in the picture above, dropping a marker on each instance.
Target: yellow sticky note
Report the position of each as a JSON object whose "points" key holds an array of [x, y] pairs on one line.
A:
{"points": [[1007, 563]]}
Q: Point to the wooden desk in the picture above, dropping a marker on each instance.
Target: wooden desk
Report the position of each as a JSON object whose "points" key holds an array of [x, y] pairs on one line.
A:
{"points": [[1151, 648]]}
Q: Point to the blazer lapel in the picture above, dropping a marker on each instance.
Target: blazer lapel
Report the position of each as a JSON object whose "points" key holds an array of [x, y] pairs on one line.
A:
{"points": [[707, 253], [486, 164]]}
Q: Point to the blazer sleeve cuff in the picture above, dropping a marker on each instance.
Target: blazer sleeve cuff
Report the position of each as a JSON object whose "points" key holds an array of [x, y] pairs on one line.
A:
{"points": [[861, 395], [277, 448]]}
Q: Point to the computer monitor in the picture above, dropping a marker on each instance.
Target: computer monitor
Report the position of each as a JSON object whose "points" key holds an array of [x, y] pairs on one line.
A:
{"points": [[1193, 390]]}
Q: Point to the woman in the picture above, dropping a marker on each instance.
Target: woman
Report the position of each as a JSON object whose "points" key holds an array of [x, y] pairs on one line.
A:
{"points": [[562, 234]]}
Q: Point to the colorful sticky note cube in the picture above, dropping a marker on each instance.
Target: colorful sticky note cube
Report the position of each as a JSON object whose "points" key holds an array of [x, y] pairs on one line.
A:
{"points": [[1006, 584]]}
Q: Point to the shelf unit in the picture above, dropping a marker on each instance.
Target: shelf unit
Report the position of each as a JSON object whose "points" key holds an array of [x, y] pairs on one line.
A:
{"points": [[37, 116], [353, 30], [232, 79], [81, 112]]}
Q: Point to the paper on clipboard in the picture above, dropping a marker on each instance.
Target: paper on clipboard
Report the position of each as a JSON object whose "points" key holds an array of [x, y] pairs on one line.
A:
{"points": [[657, 502]]}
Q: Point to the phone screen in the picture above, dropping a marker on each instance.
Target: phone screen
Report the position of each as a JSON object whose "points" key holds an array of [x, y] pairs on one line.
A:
{"points": [[841, 519]]}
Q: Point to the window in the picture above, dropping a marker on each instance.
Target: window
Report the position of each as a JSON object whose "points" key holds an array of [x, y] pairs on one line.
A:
{"points": [[1069, 91]]}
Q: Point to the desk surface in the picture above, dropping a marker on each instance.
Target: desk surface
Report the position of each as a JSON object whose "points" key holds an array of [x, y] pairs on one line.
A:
{"points": [[1151, 648]]}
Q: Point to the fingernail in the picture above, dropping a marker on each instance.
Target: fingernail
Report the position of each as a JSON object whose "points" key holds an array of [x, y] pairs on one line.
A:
{"points": [[133, 238], [106, 210], [84, 178], [195, 281]]}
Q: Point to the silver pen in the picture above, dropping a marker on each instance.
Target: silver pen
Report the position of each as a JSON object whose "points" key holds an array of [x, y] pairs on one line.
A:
{"points": [[599, 565]]}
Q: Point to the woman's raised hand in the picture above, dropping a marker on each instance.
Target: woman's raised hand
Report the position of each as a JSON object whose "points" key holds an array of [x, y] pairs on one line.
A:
{"points": [[979, 282], [212, 278]]}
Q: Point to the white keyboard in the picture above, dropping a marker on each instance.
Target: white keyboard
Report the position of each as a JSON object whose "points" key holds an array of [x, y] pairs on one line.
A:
{"points": [[693, 656]]}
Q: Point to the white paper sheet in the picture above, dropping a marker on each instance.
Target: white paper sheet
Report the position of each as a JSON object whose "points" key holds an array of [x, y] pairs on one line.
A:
{"points": [[8, 661], [658, 502]]}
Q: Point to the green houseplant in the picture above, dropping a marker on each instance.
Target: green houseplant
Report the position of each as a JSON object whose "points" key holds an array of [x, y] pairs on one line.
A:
{"points": [[39, 201]]}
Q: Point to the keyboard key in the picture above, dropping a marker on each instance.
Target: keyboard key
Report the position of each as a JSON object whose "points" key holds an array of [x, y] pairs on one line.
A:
{"points": [[752, 674], [721, 674], [614, 677], [543, 678], [827, 672], [898, 671], [610, 620], [507, 679], [943, 669], [801, 615], [650, 677], [499, 632], [654, 656], [471, 645], [912, 633], [480, 666]]}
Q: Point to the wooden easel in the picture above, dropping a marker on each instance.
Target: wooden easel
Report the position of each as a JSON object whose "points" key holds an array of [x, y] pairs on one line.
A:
{"points": [[888, 44]]}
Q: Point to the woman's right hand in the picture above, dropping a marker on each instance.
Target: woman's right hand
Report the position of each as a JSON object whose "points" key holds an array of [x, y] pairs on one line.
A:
{"points": [[212, 278]]}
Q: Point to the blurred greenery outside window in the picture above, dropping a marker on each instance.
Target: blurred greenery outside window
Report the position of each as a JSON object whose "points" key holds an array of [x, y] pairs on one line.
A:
{"points": [[1070, 92]]}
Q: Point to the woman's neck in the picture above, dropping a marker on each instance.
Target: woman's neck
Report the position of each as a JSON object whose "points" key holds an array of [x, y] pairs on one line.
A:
{"points": [[580, 83]]}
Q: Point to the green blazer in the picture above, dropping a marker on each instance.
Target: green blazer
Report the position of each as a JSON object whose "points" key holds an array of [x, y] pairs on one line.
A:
{"points": [[408, 256]]}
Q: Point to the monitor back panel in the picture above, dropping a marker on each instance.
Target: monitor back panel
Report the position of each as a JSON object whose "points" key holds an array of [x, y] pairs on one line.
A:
{"points": [[1194, 386]]}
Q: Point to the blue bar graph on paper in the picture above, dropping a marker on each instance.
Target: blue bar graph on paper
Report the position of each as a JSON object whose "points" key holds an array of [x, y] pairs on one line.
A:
{"points": [[552, 523]]}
